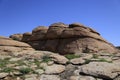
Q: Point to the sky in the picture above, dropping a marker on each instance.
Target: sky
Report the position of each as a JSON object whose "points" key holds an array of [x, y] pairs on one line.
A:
{"points": [[19, 16]]}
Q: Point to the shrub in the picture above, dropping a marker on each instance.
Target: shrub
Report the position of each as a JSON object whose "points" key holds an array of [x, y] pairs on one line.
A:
{"points": [[95, 56], [20, 62], [37, 62], [3, 62], [7, 70], [71, 56], [87, 61], [46, 59], [104, 60], [25, 70]]}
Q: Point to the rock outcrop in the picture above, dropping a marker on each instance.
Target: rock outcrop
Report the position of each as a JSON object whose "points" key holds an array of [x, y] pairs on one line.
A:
{"points": [[44, 65], [26, 36], [91, 59], [17, 37], [68, 39], [9, 45]]}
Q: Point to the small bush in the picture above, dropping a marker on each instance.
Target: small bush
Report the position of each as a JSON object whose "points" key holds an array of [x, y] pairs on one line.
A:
{"points": [[20, 62], [95, 56], [25, 70], [37, 62], [104, 60], [87, 61], [71, 56], [46, 59], [3, 63], [7, 70]]}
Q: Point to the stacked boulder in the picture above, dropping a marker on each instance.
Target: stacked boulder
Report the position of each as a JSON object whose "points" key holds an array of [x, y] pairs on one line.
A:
{"points": [[17, 37], [68, 39], [9, 45]]}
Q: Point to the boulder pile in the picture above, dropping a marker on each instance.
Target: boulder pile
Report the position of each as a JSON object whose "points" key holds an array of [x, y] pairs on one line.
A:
{"points": [[68, 39], [44, 65]]}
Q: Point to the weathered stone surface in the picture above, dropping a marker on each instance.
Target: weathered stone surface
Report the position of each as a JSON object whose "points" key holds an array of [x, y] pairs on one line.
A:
{"points": [[39, 71], [69, 39], [69, 71], [38, 33], [117, 78], [31, 77], [82, 78], [26, 36], [49, 77], [10, 45], [3, 75], [39, 28], [17, 37], [74, 78], [38, 45], [59, 59], [6, 42], [81, 25], [51, 45], [80, 31], [10, 49], [86, 45], [2, 37], [55, 30], [45, 65], [77, 61], [54, 69], [100, 69]]}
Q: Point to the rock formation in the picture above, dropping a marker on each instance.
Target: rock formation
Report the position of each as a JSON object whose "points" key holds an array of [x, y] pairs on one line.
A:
{"points": [[17, 37], [68, 39], [19, 61], [44, 65], [9, 45]]}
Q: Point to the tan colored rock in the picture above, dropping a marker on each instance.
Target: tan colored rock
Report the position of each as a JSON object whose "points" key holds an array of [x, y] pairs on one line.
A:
{"points": [[55, 30], [17, 37], [10, 45], [69, 39], [82, 78], [38, 33], [3, 75], [77, 61], [59, 58], [10, 49], [6, 42], [54, 69], [84, 45], [49, 77], [39, 71], [26, 36], [81, 25], [39, 28], [31, 77], [87, 78], [74, 78], [80, 32], [38, 45], [2, 37], [87, 56], [51, 45], [102, 70]]}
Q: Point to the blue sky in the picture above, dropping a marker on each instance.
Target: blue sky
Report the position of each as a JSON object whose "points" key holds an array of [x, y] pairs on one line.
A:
{"points": [[19, 16]]}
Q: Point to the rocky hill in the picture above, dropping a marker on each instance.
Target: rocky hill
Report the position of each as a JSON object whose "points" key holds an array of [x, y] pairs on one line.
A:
{"points": [[66, 39], [60, 52]]}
